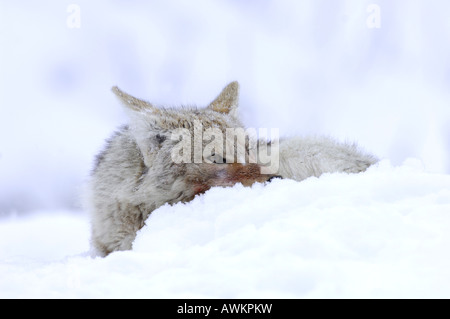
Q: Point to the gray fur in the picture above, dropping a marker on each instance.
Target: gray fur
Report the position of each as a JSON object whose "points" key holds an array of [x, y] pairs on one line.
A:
{"points": [[301, 158]]}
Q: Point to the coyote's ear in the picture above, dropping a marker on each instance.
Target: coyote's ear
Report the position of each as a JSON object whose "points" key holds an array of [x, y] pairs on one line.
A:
{"points": [[144, 119], [227, 101], [132, 102]]}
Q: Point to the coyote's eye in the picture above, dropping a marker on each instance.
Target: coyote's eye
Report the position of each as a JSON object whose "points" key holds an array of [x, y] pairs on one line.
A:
{"points": [[216, 159], [160, 138]]}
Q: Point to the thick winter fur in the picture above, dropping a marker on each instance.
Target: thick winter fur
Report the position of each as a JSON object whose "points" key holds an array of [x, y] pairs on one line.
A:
{"points": [[301, 158], [136, 173]]}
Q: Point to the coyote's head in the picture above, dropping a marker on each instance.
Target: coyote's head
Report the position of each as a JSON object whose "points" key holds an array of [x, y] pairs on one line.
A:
{"points": [[188, 150]]}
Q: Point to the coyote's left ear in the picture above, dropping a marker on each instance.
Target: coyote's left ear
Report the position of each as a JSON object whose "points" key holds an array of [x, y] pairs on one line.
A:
{"points": [[227, 101], [144, 120]]}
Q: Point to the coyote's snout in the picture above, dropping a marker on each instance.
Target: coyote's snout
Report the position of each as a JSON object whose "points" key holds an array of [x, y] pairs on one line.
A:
{"points": [[159, 158], [228, 175]]}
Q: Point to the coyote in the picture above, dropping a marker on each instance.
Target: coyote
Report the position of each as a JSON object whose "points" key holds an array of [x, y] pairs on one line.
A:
{"points": [[139, 171]]}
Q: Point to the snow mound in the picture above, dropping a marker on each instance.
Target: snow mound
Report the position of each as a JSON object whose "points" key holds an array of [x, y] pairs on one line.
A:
{"points": [[383, 233]]}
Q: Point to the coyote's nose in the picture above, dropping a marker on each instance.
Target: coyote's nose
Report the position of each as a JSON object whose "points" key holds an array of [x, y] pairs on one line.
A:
{"points": [[273, 177]]}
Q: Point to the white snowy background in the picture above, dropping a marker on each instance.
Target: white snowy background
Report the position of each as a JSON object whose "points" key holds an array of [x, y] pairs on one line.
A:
{"points": [[306, 67]]}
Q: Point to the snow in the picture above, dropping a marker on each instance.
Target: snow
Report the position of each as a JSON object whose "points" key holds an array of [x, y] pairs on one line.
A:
{"points": [[305, 67], [383, 233]]}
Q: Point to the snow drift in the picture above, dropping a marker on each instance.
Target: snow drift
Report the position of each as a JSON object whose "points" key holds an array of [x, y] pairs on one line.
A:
{"points": [[382, 233]]}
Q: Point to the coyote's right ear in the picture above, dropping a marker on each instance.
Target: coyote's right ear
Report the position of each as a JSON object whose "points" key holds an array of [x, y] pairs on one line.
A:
{"points": [[132, 102], [227, 101]]}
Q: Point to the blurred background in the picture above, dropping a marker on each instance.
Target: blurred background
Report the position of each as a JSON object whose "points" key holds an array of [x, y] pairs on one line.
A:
{"points": [[374, 72]]}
